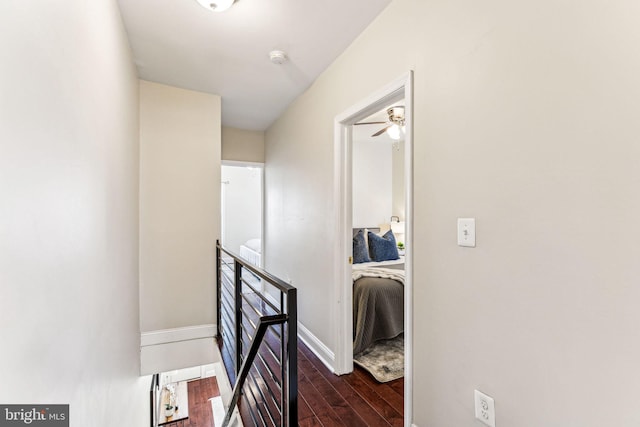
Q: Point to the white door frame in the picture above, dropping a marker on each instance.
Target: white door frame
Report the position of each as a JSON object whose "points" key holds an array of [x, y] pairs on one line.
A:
{"points": [[401, 88], [260, 166]]}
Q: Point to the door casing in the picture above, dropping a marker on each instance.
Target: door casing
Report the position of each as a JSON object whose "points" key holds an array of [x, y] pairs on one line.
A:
{"points": [[400, 88]]}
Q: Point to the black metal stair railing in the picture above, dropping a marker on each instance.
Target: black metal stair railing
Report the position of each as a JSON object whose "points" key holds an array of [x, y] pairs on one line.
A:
{"points": [[257, 330]]}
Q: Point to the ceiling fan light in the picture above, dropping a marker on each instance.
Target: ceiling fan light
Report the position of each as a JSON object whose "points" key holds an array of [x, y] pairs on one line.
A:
{"points": [[396, 114], [216, 5], [394, 132]]}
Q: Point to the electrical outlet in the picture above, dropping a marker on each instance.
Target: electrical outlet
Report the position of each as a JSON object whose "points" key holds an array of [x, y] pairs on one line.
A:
{"points": [[485, 408]]}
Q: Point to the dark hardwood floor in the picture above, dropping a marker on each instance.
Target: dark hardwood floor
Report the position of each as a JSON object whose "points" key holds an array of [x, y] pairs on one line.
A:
{"points": [[356, 399], [350, 400], [200, 414]]}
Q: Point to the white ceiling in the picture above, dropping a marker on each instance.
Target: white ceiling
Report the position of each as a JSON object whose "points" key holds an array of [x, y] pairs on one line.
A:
{"points": [[179, 43]]}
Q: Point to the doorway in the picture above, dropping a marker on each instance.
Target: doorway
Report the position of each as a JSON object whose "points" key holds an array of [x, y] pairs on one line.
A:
{"points": [[396, 91], [242, 201]]}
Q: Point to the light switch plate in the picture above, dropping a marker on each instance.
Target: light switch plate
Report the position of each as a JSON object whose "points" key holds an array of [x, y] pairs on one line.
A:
{"points": [[467, 232]]}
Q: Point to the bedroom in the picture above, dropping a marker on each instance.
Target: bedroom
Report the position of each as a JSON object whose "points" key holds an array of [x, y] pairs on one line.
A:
{"points": [[378, 215]]}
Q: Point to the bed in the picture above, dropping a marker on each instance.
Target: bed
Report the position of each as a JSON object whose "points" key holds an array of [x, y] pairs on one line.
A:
{"points": [[378, 302], [251, 251]]}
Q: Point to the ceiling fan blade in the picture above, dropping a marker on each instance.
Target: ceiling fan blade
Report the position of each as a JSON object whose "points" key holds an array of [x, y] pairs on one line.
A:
{"points": [[370, 123], [381, 131]]}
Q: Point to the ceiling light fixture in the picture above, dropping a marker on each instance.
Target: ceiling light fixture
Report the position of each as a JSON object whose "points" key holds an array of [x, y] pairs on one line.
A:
{"points": [[216, 5]]}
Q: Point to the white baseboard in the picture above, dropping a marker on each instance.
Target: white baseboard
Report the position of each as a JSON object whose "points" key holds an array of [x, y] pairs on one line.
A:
{"points": [[323, 352], [188, 374], [178, 348], [318, 348]]}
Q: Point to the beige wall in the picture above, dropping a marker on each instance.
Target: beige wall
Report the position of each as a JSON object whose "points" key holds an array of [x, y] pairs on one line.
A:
{"points": [[242, 145], [69, 213], [526, 119], [179, 206]]}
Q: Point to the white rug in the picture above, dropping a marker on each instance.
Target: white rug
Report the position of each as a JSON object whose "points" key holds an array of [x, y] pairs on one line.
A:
{"points": [[384, 359]]}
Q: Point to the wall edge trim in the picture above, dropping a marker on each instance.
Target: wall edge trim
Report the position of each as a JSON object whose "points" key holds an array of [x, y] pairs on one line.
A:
{"points": [[187, 333]]}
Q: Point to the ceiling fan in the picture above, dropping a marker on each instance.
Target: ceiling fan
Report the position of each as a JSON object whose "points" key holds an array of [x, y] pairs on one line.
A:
{"points": [[396, 120]]}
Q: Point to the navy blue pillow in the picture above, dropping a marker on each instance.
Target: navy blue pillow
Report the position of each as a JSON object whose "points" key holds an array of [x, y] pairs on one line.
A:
{"points": [[360, 250], [383, 248]]}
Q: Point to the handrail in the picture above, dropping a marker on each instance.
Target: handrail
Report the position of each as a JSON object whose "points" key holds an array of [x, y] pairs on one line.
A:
{"points": [[263, 324], [263, 274], [244, 318]]}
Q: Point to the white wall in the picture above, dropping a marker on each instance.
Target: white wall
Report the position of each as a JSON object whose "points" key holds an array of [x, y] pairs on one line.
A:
{"points": [[242, 205], [179, 206], [372, 179], [69, 212], [526, 119]]}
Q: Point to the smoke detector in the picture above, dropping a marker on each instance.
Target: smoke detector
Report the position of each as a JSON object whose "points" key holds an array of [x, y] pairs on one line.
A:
{"points": [[277, 57], [216, 5]]}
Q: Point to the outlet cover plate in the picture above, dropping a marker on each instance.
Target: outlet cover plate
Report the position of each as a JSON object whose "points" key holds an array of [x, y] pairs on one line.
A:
{"points": [[485, 408]]}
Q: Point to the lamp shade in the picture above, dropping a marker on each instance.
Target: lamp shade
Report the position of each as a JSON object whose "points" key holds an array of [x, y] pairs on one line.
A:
{"points": [[216, 5], [397, 227]]}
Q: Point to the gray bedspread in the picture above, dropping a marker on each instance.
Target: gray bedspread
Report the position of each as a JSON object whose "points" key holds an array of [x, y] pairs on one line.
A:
{"points": [[378, 311]]}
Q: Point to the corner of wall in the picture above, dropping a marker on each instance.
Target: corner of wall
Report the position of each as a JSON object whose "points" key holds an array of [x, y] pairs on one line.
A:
{"points": [[326, 356], [177, 348]]}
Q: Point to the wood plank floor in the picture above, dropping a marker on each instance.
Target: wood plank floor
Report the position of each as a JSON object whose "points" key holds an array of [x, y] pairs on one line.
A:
{"points": [[356, 399], [350, 400], [200, 413]]}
